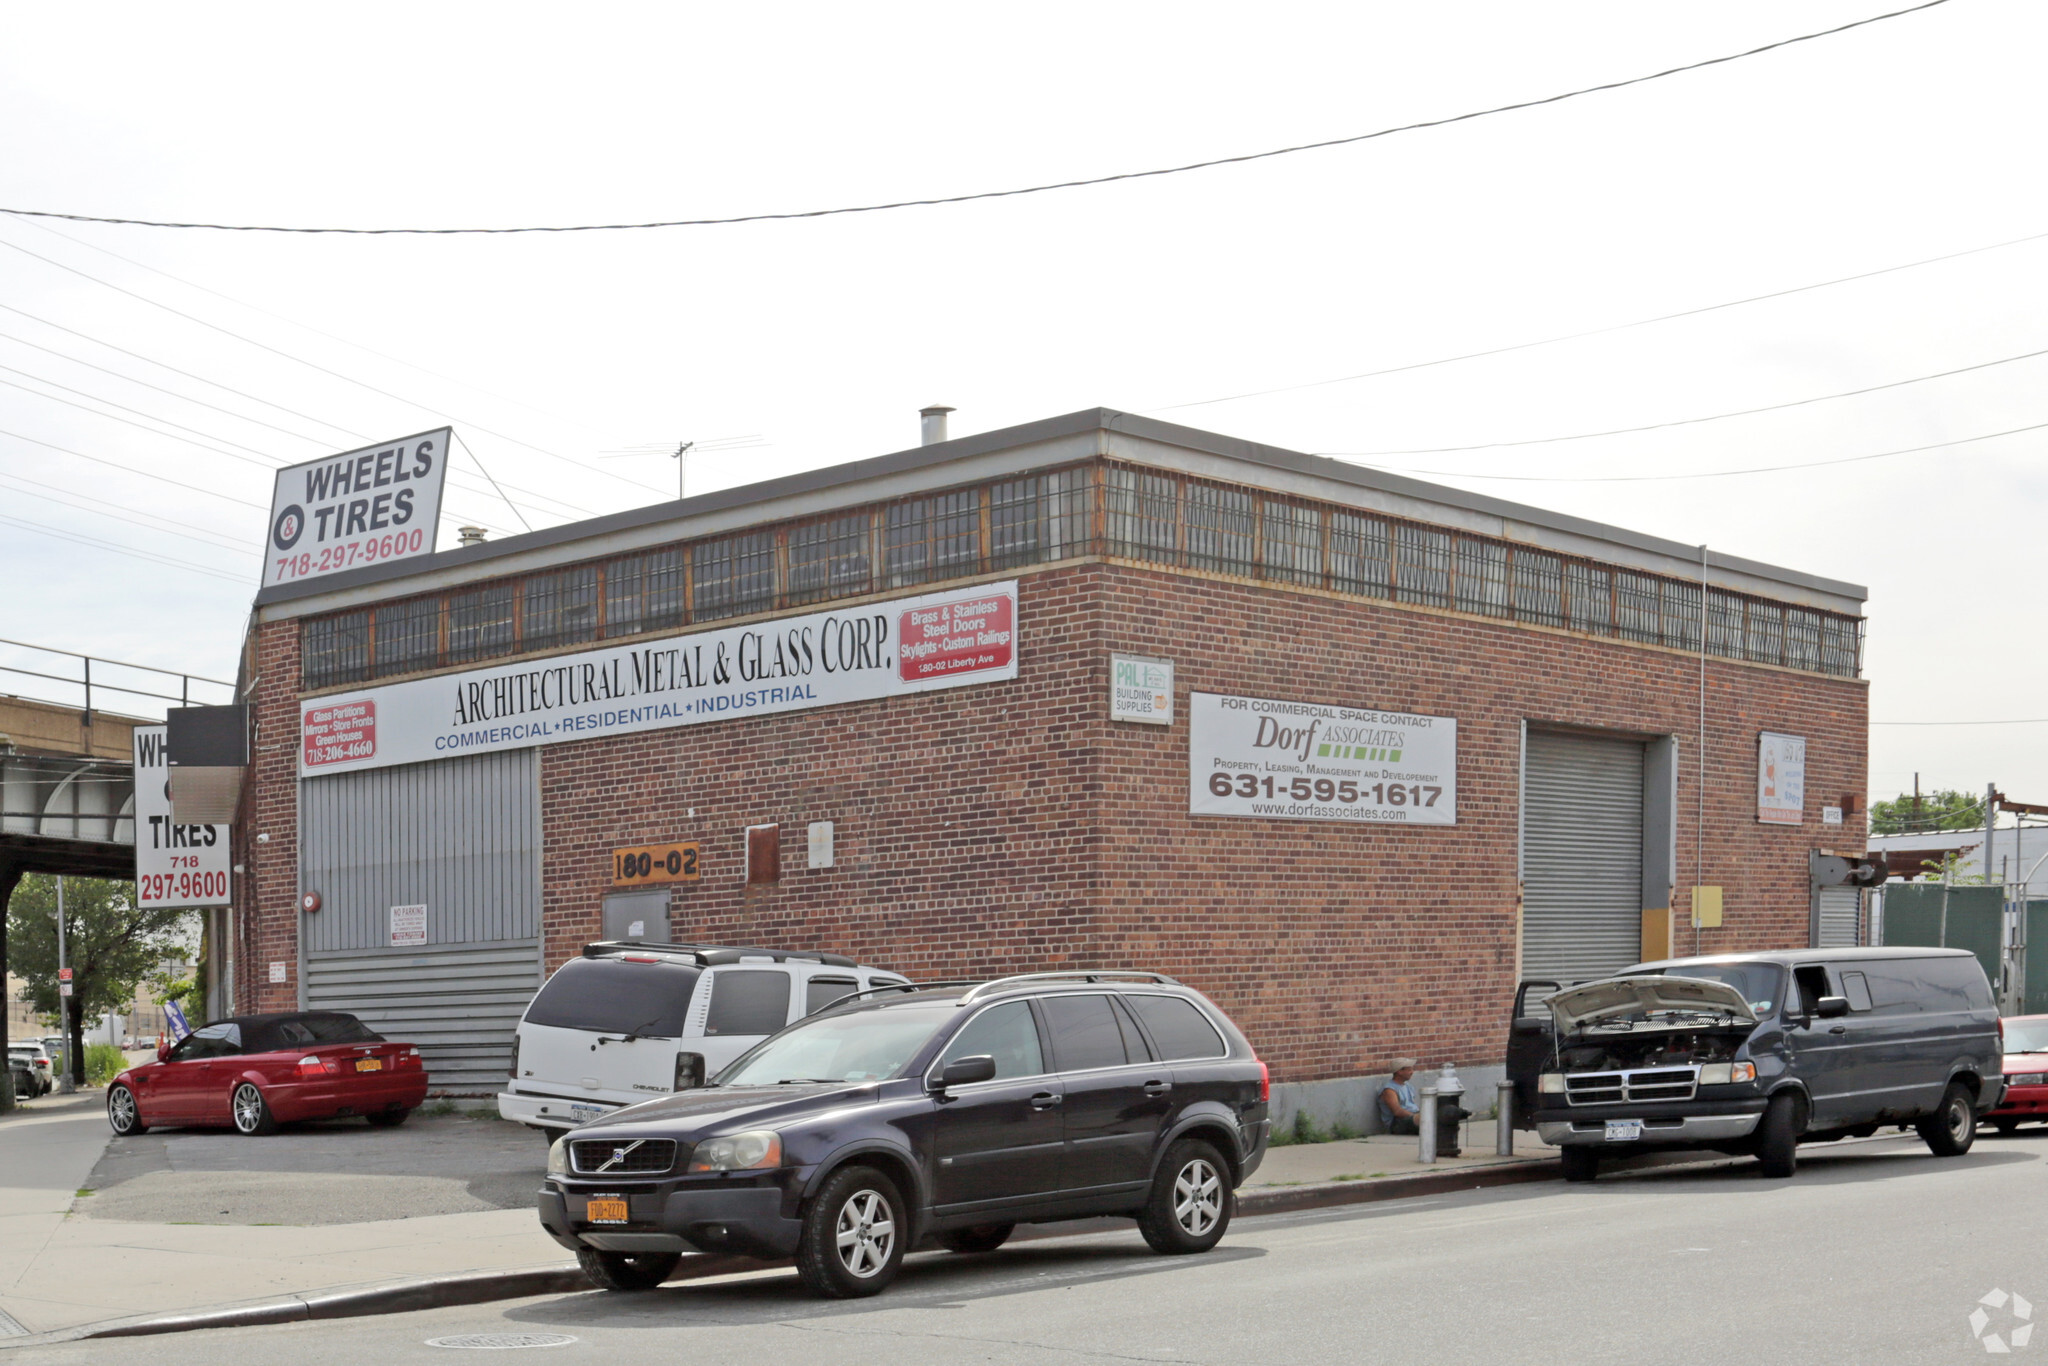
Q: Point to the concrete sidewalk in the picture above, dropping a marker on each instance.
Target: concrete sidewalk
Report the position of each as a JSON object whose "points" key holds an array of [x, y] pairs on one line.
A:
{"points": [[64, 1271]]}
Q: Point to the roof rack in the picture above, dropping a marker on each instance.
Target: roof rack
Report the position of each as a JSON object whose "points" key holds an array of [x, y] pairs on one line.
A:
{"points": [[895, 986], [1022, 980], [713, 955]]}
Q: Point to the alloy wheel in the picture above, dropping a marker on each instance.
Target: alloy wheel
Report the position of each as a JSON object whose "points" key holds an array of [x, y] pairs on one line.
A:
{"points": [[1197, 1198], [866, 1233], [248, 1108], [122, 1104]]}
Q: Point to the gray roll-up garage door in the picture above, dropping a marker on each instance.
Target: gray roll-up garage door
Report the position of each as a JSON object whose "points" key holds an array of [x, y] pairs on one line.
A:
{"points": [[461, 837], [1840, 917], [1582, 856]]}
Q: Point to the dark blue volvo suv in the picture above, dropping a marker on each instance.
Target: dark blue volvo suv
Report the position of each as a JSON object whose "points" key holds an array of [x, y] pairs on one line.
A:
{"points": [[953, 1111]]}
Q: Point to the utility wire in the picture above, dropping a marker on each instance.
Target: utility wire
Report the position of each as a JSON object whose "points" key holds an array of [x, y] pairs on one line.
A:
{"points": [[1695, 421], [494, 483], [208, 539], [1602, 331], [1012, 193], [146, 474], [218, 540], [93, 541], [1717, 474]]}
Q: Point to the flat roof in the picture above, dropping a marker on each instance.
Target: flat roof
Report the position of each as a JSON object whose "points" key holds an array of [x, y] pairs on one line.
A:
{"points": [[1050, 442]]}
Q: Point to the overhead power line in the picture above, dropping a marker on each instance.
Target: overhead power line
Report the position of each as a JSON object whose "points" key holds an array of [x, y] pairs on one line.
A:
{"points": [[112, 547], [1074, 184], [213, 540], [1695, 421]]}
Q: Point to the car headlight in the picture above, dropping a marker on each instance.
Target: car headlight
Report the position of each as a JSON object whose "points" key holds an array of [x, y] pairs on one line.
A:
{"points": [[2026, 1079], [1722, 1073], [1551, 1083], [558, 1157], [757, 1148]]}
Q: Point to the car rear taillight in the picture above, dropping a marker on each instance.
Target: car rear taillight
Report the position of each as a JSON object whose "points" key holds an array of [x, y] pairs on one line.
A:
{"points": [[411, 1057], [311, 1066], [638, 958], [1265, 1084], [514, 1069]]}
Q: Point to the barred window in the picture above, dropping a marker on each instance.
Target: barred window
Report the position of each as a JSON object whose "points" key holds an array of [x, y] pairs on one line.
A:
{"points": [[644, 592], [1422, 566], [1766, 633], [829, 559], [1293, 543], [1016, 523], [1141, 514], [480, 623], [1539, 587], [1591, 594], [1840, 646], [408, 636], [956, 533], [560, 608], [1358, 555], [336, 649], [906, 544], [1219, 529], [1638, 615], [733, 576], [1482, 582], [1724, 624], [1682, 615], [1802, 639]]}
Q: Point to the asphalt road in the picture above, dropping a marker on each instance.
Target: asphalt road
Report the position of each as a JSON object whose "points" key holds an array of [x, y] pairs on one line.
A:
{"points": [[1876, 1252]]}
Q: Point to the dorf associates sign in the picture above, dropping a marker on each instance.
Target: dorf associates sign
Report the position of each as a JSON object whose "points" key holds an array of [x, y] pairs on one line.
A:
{"points": [[1269, 758], [855, 654], [362, 507]]}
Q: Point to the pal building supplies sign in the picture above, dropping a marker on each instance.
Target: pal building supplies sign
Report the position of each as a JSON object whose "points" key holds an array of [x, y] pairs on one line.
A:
{"points": [[1780, 779], [854, 654], [1141, 690], [363, 507], [175, 865], [1316, 761]]}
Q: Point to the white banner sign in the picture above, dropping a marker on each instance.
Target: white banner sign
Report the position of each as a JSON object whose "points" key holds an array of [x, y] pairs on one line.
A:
{"points": [[1314, 761], [1780, 779], [853, 654], [175, 865], [371, 506]]}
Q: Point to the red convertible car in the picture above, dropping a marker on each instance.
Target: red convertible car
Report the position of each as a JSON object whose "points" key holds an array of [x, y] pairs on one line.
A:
{"points": [[258, 1071], [2026, 1073]]}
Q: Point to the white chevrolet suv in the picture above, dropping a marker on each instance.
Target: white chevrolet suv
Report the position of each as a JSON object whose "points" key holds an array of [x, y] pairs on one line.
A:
{"points": [[627, 1022]]}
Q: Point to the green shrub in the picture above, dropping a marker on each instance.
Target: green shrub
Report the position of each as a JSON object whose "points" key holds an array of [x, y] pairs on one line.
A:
{"points": [[103, 1062]]}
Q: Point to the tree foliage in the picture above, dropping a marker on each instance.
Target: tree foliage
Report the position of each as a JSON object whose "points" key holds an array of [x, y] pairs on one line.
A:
{"points": [[1943, 810], [112, 944]]}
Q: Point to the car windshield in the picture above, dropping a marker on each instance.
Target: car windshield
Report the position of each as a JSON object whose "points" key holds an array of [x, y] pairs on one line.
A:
{"points": [[861, 1045], [1761, 984], [2026, 1036]]}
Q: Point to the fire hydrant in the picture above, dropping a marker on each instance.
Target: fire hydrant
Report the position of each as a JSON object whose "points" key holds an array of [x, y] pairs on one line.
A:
{"points": [[1449, 1113]]}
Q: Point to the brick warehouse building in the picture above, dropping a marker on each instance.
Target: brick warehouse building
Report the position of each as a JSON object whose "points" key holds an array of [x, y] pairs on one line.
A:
{"points": [[1515, 697]]}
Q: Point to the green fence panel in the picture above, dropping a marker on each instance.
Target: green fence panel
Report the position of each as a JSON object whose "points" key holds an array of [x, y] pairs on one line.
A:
{"points": [[2035, 1001], [1914, 914]]}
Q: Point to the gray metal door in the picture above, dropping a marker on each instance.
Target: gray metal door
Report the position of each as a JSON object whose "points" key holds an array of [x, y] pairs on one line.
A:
{"points": [[1582, 856], [1840, 916], [460, 837]]}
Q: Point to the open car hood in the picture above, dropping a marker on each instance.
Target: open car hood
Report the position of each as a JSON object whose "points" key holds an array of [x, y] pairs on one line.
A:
{"points": [[1590, 1003]]}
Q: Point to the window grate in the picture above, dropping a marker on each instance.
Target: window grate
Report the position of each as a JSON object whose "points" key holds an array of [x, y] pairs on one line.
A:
{"points": [[1292, 543], [1142, 515], [829, 559], [336, 649], [644, 592], [407, 636], [1422, 565], [733, 576], [1482, 584], [1539, 587], [1359, 561], [559, 608], [1219, 529]]}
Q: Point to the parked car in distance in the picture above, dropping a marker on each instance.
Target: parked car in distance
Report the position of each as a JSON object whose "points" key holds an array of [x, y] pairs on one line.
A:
{"points": [[2026, 1073], [23, 1074], [945, 1109], [255, 1072], [1758, 1053], [626, 1021], [42, 1070]]}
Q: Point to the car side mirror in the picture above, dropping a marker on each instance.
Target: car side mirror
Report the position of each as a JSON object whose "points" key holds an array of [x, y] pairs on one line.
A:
{"points": [[1831, 1007], [967, 1071], [1531, 1024], [163, 1051]]}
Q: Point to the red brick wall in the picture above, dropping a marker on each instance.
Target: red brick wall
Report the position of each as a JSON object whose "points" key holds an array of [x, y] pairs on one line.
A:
{"points": [[267, 894], [1011, 827]]}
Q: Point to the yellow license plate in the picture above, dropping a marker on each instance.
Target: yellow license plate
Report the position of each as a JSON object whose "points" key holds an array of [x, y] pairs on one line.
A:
{"points": [[369, 1064], [606, 1212]]}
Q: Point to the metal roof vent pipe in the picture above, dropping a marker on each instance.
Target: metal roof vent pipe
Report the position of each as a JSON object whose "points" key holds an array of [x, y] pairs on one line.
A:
{"points": [[470, 535], [934, 420]]}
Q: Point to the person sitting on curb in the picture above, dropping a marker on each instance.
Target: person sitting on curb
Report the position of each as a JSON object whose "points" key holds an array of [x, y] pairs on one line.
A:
{"points": [[1400, 1109]]}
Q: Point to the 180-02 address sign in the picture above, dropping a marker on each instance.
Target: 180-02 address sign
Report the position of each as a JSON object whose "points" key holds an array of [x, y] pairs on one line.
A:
{"points": [[1272, 759]]}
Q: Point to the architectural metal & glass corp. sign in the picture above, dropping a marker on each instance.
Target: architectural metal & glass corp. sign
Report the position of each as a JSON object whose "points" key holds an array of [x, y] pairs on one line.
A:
{"points": [[853, 654], [1315, 761]]}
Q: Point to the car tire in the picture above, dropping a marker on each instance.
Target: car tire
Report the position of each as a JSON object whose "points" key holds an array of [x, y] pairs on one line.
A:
{"points": [[1777, 1136], [626, 1270], [978, 1238], [852, 1241], [387, 1119], [1580, 1163], [124, 1115], [1952, 1128], [251, 1112], [1191, 1201]]}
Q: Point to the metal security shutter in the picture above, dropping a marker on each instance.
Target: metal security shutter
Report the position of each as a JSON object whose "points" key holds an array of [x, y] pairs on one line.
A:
{"points": [[1840, 917], [1582, 856], [461, 837]]}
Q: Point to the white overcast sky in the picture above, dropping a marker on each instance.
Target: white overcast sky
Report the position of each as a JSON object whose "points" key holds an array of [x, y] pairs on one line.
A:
{"points": [[1912, 138]]}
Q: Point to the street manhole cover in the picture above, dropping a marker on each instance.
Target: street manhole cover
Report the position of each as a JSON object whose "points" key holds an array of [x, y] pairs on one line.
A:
{"points": [[502, 1341]]}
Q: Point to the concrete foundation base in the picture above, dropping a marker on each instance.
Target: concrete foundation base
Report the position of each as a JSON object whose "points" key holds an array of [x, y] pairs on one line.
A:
{"points": [[1349, 1100]]}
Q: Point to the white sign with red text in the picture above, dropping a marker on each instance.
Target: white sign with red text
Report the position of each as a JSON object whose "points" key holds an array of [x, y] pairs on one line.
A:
{"points": [[852, 654], [1780, 779], [175, 865], [370, 506]]}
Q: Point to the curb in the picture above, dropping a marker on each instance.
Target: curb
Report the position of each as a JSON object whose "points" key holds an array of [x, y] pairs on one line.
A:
{"points": [[1287, 1199]]}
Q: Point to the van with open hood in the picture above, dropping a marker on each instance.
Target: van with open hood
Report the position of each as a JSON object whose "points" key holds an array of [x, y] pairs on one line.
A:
{"points": [[1757, 1053]]}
